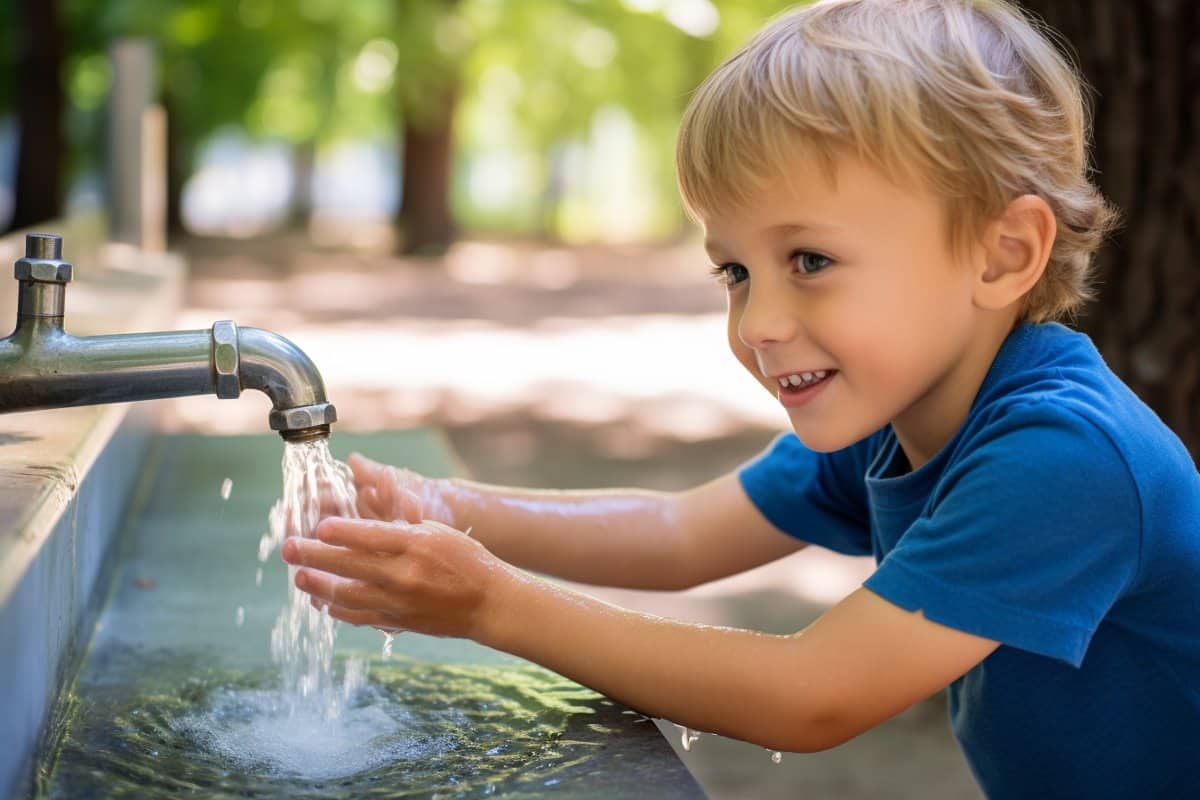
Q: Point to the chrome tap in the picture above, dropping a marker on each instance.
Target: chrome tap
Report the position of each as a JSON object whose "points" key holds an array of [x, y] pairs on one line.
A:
{"points": [[43, 366]]}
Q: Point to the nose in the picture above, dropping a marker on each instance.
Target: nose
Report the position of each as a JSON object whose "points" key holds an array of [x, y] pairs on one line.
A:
{"points": [[769, 316]]}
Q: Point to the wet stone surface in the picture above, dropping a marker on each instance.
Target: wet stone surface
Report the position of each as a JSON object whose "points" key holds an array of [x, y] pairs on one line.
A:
{"points": [[413, 729]]}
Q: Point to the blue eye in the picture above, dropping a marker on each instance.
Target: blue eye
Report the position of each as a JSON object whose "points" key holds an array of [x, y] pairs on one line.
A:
{"points": [[809, 262], [729, 274]]}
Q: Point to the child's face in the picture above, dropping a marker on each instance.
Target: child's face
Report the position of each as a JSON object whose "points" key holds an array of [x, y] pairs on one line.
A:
{"points": [[856, 282]]}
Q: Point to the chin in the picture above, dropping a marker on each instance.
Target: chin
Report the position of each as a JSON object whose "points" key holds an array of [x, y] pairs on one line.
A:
{"points": [[827, 440]]}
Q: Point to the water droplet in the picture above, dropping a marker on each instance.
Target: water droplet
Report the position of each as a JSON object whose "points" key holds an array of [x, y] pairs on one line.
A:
{"points": [[226, 488], [387, 644], [687, 737], [258, 577], [239, 618], [776, 757]]}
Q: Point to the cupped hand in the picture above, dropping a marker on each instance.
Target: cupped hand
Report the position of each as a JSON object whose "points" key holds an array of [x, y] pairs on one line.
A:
{"points": [[386, 492], [417, 576]]}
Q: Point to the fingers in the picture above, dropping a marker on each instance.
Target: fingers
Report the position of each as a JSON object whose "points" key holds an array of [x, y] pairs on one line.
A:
{"points": [[383, 490], [398, 503], [365, 566], [332, 590], [365, 470], [354, 616], [369, 504], [365, 534]]}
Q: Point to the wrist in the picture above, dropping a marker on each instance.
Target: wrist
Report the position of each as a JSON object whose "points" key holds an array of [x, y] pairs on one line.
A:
{"points": [[505, 613]]}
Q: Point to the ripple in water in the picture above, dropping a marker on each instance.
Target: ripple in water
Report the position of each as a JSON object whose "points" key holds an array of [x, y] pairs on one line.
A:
{"points": [[412, 727]]}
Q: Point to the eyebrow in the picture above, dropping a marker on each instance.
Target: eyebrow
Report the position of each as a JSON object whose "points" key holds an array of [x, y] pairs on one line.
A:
{"points": [[782, 229]]}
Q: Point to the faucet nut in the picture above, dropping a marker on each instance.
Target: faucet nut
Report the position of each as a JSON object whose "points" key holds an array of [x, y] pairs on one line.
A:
{"points": [[45, 270], [226, 359], [290, 419]]}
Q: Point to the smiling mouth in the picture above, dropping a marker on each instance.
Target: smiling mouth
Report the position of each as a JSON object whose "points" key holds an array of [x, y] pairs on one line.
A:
{"points": [[800, 381]]}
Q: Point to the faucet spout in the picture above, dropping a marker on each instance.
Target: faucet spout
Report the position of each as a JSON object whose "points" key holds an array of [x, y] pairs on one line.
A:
{"points": [[43, 366]]}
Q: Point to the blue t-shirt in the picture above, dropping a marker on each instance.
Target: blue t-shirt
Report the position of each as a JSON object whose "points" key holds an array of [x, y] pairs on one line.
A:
{"points": [[1063, 520]]}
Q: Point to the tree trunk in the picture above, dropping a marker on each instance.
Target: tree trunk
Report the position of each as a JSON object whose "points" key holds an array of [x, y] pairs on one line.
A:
{"points": [[304, 159], [42, 146], [1141, 59], [425, 220], [178, 166]]}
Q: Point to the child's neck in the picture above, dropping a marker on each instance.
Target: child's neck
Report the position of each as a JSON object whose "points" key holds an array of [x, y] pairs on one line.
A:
{"points": [[929, 424]]}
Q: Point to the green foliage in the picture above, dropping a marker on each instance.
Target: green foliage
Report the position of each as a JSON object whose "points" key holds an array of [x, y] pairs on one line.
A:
{"points": [[530, 75]]}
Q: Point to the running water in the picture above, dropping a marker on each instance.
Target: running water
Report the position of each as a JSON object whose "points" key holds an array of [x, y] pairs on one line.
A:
{"points": [[303, 638]]}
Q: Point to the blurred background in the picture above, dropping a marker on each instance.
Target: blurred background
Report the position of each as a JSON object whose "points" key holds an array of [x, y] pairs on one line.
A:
{"points": [[465, 212]]}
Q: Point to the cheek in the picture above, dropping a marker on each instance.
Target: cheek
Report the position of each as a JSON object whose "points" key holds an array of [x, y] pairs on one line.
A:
{"points": [[741, 352]]}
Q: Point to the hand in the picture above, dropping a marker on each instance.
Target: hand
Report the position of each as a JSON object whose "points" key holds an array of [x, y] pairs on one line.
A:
{"points": [[385, 492], [407, 575]]}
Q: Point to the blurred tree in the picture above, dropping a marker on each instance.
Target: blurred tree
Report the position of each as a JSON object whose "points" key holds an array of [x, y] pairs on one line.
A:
{"points": [[529, 79], [1140, 58], [435, 38], [540, 77], [36, 37]]}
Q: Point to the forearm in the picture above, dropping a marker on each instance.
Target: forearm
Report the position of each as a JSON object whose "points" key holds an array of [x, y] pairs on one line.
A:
{"points": [[694, 675], [618, 537]]}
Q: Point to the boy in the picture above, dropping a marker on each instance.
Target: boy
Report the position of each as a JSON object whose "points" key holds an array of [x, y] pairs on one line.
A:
{"points": [[894, 194]]}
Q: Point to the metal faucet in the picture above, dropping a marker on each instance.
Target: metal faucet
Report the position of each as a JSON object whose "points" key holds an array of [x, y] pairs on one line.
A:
{"points": [[43, 366]]}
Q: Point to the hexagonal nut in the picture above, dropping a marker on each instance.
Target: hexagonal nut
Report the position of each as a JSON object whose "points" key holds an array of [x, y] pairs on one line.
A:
{"points": [[226, 359], [291, 419], [39, 269]]}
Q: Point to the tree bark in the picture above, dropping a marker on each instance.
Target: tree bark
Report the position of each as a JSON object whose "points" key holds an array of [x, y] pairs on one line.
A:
{"points": [[42, 145], [426, 223], [178, 166], [1143, 63]]}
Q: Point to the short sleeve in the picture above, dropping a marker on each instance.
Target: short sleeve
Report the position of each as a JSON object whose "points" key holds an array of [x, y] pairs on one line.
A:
{"points": [[819, 498], [1029, 539]]}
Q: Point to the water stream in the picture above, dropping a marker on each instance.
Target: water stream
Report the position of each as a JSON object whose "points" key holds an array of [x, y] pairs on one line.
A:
{"points": [[303, 638]]}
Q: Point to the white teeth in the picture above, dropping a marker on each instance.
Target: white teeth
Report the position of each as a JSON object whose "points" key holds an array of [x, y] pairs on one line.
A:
{"points": [[802, 378]]}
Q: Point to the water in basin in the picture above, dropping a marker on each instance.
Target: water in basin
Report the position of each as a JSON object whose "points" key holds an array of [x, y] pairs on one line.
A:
{"points": [[182, 694], [411, 729]]}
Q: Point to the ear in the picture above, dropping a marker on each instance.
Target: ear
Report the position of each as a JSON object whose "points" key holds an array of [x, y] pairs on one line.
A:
{"points": [[1016, 247]]}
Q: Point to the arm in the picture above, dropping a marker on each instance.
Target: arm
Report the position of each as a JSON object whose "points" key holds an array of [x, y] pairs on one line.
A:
{"points": [[859, 664], [618, 537]]}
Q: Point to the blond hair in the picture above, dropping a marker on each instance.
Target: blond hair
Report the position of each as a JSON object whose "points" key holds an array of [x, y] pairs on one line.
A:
{"points": [[969, 96]]}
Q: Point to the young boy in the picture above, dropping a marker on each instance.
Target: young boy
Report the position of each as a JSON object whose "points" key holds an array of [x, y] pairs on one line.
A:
{"points": [[895, 196]]}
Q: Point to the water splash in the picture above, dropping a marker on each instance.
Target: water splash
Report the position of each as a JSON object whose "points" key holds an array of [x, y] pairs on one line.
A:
{"points": [[413, 725], [303, 637], [688, 736]]}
